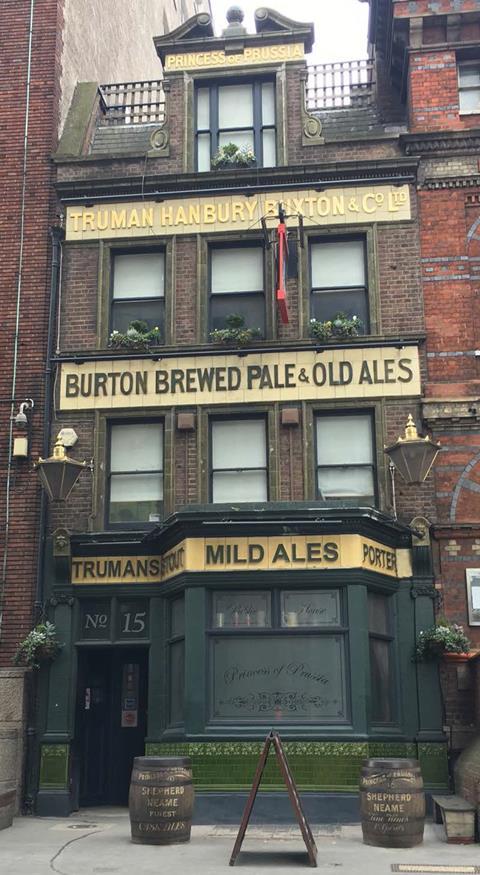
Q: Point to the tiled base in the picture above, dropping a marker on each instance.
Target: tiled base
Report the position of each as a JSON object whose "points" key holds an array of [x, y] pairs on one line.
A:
{"points": [[316, 765], [227, 808]]}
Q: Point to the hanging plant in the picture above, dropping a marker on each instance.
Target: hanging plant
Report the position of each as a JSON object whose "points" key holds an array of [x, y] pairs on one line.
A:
{"points": [[235, 333], [41, 645], [433, 643], [137, 336], [232, 155], [339, 325]]}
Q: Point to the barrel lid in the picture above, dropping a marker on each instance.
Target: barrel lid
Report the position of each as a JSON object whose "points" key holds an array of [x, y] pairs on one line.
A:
{"points": [[162, 762], [391, 763]]}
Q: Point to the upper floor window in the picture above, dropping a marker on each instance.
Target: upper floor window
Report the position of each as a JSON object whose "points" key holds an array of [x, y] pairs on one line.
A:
{"points": [[237, 286], [138, 290], [135, 474], [339, 280], [469, 87], [243, 114], [239, 460], [345, 454]]}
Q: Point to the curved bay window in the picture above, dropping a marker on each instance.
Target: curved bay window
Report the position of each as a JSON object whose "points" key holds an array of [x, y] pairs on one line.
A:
{"points": [[279, 655], [339, 280]]}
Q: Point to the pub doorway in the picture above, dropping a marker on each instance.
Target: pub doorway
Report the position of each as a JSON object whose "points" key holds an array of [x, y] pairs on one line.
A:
{"points": [[111, 722]]}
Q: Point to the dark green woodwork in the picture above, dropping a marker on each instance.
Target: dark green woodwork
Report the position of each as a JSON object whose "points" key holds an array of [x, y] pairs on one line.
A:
{"points": [[196, 660], [54, 760]]}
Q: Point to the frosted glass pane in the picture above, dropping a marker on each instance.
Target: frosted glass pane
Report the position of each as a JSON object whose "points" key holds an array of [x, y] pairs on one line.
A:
{"points": [[268, 104], [203, 108], [240, 138], [137, 447], [238, 443], [338, 264], [269, 149], [237, 270], [344, 440], [235, 106], [469, 75], [140, 275], [345, 483], [203, 157], [136, 487], [242, 486], [470, 100]]}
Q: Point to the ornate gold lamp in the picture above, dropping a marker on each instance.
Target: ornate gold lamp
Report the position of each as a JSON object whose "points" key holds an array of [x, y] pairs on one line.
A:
{"points": [[412, 455], [58, 474]]}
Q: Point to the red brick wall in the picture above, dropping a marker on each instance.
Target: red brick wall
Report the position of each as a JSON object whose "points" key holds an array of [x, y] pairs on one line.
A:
{"points": [[433, 102], [20, 578]]}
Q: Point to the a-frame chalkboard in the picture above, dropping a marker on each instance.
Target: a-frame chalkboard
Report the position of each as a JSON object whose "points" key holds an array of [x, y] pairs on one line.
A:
{"points": [[274, 738]]}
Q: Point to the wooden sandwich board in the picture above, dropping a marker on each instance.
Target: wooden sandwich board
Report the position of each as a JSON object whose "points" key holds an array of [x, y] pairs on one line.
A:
{"points": [[274, 738]]}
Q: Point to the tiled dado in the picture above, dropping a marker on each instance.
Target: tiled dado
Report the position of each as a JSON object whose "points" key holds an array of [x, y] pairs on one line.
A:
{"points": [[317, 765]]}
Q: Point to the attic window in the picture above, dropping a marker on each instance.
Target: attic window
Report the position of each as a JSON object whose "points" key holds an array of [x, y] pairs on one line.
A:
{"points": [[241, 113], [469, 87]]}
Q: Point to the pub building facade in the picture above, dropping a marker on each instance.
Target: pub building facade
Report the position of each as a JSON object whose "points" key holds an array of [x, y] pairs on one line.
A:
{"points": [[236, 559]]}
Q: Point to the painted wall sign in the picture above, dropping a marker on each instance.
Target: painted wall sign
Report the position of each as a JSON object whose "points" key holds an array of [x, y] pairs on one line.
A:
{"points": [[249, 55], [375, 372], [245, 554], [207, 215]]}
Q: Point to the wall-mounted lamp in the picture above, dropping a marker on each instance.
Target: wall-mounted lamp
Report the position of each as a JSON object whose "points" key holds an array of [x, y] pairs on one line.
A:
{"points": [[58, 474], [412, 456]]}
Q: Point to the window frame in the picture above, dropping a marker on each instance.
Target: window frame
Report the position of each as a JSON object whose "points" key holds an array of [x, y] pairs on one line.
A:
{"points": [[132, 251], [335, 413], [133, 526], [212, 418], [274, 630], [462, 64], [257, 124], [389, 638], [364, 290], [226, 245]]}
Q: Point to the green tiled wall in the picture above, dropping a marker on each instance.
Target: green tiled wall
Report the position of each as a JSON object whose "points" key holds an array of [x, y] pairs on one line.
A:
{"points": [[316, 765]]}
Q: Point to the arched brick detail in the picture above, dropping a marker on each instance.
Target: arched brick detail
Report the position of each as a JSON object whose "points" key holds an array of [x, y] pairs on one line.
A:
{"points": [[465, 483]]}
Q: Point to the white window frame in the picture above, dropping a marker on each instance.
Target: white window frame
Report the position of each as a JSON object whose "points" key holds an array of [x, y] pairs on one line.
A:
{"points": [[133, 524], [468, 88], [349, 500], [159, 300], [263, 470]]}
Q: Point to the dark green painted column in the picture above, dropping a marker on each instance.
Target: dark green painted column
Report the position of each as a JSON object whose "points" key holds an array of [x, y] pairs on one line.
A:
{"points": [[359, 657], [195, 661], [54, 797], [407, 676], [157, 672]]}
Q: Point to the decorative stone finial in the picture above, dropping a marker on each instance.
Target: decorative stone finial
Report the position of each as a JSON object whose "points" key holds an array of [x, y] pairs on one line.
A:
{"points": [[235, 15]]}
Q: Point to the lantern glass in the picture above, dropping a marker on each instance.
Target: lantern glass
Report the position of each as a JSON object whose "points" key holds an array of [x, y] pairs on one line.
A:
{"points": [[58, 476], [413, 458]]}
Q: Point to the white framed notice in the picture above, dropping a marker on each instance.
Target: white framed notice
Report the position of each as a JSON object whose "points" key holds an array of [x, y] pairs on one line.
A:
{"points": [[473, 596]]}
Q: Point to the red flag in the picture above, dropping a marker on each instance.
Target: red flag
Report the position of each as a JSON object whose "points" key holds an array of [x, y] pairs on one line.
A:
{"points": [[282, 255]]}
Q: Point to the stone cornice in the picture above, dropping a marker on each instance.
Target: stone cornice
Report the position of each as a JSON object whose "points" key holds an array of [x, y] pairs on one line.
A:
{"points": [[433, 183], [441, 143], [317, 176]]}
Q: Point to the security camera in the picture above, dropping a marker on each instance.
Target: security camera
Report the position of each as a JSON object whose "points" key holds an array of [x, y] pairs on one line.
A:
{"points": [[20, 419]]}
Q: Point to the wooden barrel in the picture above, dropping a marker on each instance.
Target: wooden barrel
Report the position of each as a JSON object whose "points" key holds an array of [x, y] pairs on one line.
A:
{"points": [[392, 803], [161, 800]]}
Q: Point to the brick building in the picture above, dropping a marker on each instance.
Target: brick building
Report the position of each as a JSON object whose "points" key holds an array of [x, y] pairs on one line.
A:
{"points": [[238, 557], [46, 46]]}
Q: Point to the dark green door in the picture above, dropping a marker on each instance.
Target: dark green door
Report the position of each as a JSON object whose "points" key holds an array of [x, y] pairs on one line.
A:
{"points": [[111, 721]]}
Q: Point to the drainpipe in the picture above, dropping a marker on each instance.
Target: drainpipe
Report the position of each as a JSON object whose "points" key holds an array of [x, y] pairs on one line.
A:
{"points": [[17, 309], [57, 235]]}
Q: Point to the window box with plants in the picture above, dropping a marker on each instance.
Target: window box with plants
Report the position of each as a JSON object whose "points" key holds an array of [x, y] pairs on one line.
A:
{"points": [[340, 326], [137, 336], [235, 156], [235, 332], [445, 641]]}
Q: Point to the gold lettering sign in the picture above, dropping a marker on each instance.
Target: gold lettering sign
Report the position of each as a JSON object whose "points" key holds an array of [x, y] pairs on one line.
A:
{"points": [[300, 552], [203, 215], [250, 55], [386, 372]]}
